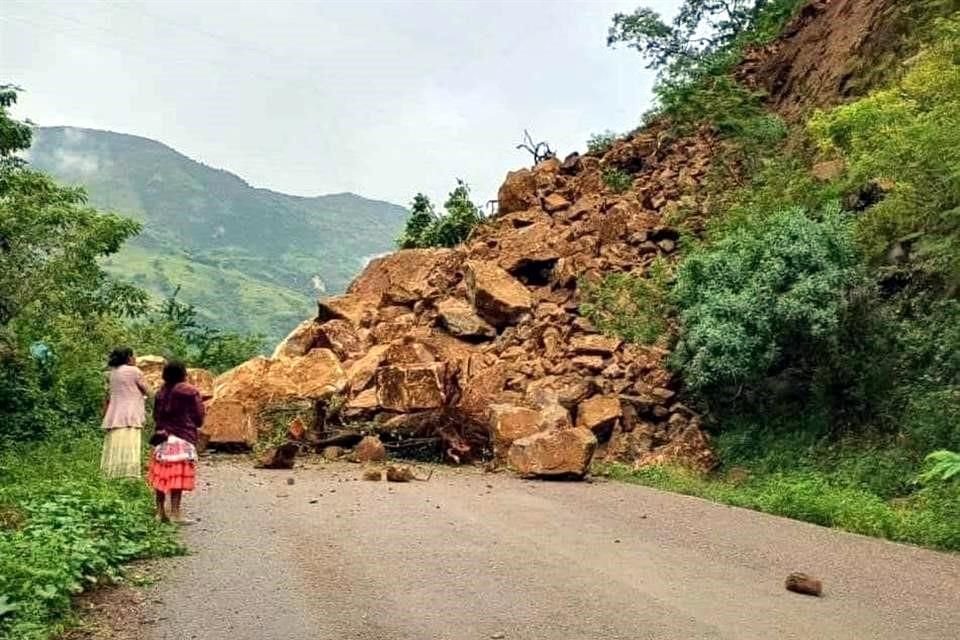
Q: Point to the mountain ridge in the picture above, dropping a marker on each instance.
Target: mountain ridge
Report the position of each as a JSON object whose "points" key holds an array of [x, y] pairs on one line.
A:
{"points": [[235, 237]]}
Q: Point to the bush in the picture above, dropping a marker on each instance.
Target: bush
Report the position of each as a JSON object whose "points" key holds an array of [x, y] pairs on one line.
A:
{"points": [[909, 137], [427, 229], [633, 307], [617, 180], [772, 291], [599, 143], [72, 530]]}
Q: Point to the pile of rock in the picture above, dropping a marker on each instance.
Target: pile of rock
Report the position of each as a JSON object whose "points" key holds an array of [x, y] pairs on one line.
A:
{"points": [[484, 344]]}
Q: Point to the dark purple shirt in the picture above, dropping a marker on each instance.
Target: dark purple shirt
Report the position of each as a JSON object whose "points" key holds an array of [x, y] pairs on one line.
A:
{"points": [[178, 410]]}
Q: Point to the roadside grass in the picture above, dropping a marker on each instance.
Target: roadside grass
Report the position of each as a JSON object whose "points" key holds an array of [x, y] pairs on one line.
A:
{"points": [[65, 529], [926, 516]]}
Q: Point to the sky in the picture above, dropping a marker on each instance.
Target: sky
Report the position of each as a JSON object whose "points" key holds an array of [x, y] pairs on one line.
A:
{"points": [[383, 99]]}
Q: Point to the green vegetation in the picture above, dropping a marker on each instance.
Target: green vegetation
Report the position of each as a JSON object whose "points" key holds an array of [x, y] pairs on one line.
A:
{"points": [[229, 246], [427, 228], [63, 529], [634, 307], [600, 143], [617, 180], [816, 320]]}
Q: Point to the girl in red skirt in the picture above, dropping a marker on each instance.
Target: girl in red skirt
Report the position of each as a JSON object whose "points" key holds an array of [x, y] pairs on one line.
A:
{"points": [[178, 413]]}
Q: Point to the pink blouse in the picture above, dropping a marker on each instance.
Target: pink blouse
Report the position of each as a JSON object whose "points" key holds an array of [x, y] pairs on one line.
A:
{"points": [[127, 395]]}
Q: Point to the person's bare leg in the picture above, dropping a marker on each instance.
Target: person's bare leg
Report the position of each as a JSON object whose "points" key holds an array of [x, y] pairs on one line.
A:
{"points": [[161, 498], [175, 496]]}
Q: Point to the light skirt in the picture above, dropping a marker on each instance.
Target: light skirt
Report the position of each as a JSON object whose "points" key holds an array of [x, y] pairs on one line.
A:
{"points": [[121, 453]]}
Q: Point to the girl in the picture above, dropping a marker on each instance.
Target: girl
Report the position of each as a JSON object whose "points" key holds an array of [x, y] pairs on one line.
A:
{"points": [[123, 416], [178, 413]]}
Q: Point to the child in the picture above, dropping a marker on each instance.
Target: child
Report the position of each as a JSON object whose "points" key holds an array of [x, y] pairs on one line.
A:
{"points": [[178, 413]]}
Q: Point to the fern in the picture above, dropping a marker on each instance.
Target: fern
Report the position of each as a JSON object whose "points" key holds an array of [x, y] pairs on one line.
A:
{"points": [[942, 466]]}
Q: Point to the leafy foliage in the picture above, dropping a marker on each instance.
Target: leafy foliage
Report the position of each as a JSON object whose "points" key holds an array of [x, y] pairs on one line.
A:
{"points": [[426, 228], [617, 180], [599, 143], [771, 291], [944, 465], [634, 307], [908, 136], [74, 530]]}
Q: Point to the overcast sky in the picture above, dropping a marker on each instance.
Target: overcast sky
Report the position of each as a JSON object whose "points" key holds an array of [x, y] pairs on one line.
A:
{"points": [[383, 99]]}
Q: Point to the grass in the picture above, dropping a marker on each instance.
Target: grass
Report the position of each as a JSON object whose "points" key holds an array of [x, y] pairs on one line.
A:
{"points": [[860, 489], [65, 529], [923, 520]]}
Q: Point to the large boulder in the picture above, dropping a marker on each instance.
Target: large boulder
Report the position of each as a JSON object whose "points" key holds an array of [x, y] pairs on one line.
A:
{"points": [[496, 295], [361, 371], [518, 192], [340, 337], [460, 319], [241, 394], [528, 246], [403, 277], [568, 390], [508, 423], [595, 344], [358, 310], [554, 453], [299, 342], [413, 387], [599, 414]]}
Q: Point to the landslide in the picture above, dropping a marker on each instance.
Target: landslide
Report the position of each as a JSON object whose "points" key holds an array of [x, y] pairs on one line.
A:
{"points": [[483, 350]]}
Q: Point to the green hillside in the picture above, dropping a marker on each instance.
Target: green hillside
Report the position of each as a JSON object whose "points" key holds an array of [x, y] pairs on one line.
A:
{"points": [[250, 259]]}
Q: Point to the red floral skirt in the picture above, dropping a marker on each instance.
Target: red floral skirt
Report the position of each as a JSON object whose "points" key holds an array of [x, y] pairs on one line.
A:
{"points": [[173, 466]]}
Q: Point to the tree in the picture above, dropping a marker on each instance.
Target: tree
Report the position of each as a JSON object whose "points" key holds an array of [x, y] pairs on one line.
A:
{"points": [[427, 229], [50, 241], [422, 215], [700, 30], [772, 292]]}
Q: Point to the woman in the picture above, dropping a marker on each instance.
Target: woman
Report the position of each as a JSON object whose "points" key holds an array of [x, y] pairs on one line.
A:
{"points": [[178, 413], [123, 416]]}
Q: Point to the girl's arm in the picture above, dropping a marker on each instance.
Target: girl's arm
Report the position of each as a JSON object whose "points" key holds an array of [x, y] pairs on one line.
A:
{"points": [[199, 412]]}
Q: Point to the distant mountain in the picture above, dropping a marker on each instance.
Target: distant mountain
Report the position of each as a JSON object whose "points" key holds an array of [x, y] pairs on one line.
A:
{"points": [[249, 259]]}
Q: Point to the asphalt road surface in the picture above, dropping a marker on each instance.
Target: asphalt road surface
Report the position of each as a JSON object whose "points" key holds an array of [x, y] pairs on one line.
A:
{"points": [[469, 555]]}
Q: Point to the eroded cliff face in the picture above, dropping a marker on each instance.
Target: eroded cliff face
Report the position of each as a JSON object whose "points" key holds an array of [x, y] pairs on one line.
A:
{"points": [[483, 348]]}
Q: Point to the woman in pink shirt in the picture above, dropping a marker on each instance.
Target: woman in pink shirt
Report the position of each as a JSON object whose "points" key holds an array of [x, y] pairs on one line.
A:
{"points": [[124, 412]]}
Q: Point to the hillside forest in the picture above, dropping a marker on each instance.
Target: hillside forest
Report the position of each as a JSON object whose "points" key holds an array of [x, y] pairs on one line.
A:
{"points": [[811, 309]]}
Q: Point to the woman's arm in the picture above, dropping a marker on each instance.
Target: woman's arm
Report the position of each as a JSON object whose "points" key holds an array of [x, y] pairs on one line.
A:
{"points": [[142, 384], [199, 412], [106, 405]]}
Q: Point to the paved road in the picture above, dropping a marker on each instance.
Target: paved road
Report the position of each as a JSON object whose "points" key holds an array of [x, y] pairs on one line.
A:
{"points": [[473, 556]]}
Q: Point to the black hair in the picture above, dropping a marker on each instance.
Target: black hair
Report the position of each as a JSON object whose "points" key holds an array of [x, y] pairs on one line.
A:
{"points": [[174, 372], [119, 356]]}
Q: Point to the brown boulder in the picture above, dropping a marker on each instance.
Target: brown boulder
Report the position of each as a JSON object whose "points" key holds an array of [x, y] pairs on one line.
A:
{"points": [[595, 344], [518, 192], [405, 276], [803, 584], [370, 449], [553, 453], [599, 414], [461, 320], [361, 372], [521, 248], [481, 386], [358, 310], [229, 421], [569, 390], [299, 342], [281, 457], [495, 294], [555, 202], [690, 449], [407, 388], [340, 337], [509, 423]]}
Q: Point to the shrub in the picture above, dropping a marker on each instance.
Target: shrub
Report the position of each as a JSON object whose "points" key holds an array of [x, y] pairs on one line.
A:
{"points": [[772, 290], [617, 180], [75, 529], [943, 465], [599, 143], [633, 307], [909, 137], [425, 228]]}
